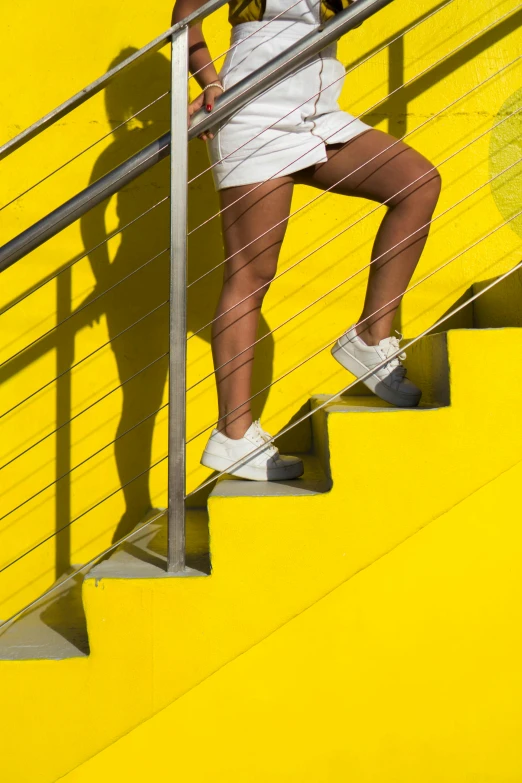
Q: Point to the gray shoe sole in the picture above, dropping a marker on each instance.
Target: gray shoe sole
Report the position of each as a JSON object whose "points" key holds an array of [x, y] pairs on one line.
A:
{"points": [[247, 471], [373, 383]]}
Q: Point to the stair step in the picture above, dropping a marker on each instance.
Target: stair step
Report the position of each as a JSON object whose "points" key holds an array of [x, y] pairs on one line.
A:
{"points": [[501, 306], [313, 482], [365, 405], [144, 556], [54, 629]]}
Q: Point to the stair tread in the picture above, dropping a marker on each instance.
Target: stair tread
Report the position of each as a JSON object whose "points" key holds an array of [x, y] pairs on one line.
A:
{"points": [[365, 404], [144, 556], [53, 630], [313, 482]]}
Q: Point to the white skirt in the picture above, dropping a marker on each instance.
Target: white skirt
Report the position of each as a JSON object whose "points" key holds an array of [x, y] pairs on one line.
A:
{"points": [[285, 129]]}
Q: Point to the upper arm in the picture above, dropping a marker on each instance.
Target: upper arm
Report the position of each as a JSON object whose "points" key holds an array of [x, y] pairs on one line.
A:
{"points": [[183, 8]]}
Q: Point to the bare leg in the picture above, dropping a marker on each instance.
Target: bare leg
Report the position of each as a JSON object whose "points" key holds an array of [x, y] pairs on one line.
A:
{"points": [[247, 277], [409, 210], [387, 179]]}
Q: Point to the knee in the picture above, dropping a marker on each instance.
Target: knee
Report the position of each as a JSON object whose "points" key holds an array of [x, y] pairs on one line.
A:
{"points": [[423, 189], [433, 185], [250, 284], [426, 185]]}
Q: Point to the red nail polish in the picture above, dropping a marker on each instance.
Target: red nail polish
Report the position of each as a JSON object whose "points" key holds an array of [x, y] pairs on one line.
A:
{"points": [[209, 107]]}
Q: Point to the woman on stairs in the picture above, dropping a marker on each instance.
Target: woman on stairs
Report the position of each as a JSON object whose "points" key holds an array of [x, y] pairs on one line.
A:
{"points": [[295, 132]]}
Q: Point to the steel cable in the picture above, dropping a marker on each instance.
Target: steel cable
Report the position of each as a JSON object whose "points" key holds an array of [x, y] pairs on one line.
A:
{"points": [[4, 625], [397, 89], [111, 235], [324, 347], [90, 147], [366, 375], [331, 187], [133, 116], [84, 306], [350, 70], [83, 359], [295, 315], [231, 48], [333, 397], [84, 513], [78, 465], [359, 220], [260, 448], [162, 200], [154, 413], [283, 431], [286, 429], [84, 410]]}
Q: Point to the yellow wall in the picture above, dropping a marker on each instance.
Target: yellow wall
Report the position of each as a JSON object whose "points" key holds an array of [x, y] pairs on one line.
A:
{"points": [[49, 55], [408, 672]]}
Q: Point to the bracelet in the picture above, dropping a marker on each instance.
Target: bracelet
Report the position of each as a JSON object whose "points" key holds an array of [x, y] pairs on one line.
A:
{"points": [[214, 84]]}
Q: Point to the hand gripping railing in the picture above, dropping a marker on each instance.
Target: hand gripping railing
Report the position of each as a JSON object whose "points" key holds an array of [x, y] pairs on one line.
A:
{"points": [[177, 140]]}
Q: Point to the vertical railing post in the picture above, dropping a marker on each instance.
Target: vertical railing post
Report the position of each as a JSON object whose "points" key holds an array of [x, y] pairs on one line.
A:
{"points": [[178, 301]]}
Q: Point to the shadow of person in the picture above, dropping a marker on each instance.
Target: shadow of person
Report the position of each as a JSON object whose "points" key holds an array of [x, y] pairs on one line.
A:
{"points": [[136, 310]]}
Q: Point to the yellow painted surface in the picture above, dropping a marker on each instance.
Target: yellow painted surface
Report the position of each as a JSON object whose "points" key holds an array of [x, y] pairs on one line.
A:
{"points": [[66, 49], [409, 671], [152, 640]]}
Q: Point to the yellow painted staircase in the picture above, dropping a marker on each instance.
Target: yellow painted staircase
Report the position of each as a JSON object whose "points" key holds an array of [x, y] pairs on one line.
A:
{"points": [[330, 604]]}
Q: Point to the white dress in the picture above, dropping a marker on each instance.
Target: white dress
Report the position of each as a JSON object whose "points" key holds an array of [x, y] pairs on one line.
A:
{"points": [[287, 127]]}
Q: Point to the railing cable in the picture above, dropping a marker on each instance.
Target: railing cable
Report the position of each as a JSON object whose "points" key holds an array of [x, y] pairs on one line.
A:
{"points": [[94, 87], [397, 89], [286, 429], [84, 306], [59, 586], [83, 359], [340, 78], [79, 154], [367, 374], [84, 513], [84, 410], [359, 220], [255, 32], [331, 342], [79, 465], [85, 254], [354, 274]]}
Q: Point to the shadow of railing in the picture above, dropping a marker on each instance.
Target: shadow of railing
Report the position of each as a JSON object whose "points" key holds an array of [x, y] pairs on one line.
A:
{"points": [[139, 294]]}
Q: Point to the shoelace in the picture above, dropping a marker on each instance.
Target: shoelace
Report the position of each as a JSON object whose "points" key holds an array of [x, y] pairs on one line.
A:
{"points": [[389, 346], [264, 437]]}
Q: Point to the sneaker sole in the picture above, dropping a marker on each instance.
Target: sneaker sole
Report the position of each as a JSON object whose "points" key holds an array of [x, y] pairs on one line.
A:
{"points": [[373, 383], [250, 472]]}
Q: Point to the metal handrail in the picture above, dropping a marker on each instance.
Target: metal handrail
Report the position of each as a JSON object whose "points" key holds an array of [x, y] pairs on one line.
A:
{"points": [[178, 34], [100, 83], [5, 624], [232, 100]]}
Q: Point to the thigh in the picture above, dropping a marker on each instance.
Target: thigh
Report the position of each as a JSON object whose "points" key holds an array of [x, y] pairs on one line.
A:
{"points": [[373, 165], [254, 220]]}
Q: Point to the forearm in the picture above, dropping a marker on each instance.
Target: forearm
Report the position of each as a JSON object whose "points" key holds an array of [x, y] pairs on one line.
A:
{"points": [[200, 61]]}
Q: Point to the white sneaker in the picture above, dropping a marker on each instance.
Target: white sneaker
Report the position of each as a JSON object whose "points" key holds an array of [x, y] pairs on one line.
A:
{"points": [[222, 452], [389, 382]]}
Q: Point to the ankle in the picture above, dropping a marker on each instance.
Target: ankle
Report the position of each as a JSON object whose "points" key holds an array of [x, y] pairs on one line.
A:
{"points": [[371, 335], [234, 429]]}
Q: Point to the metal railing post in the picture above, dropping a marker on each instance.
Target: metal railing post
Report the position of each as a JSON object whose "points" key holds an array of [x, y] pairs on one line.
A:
{"points": [[178, 302]]}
